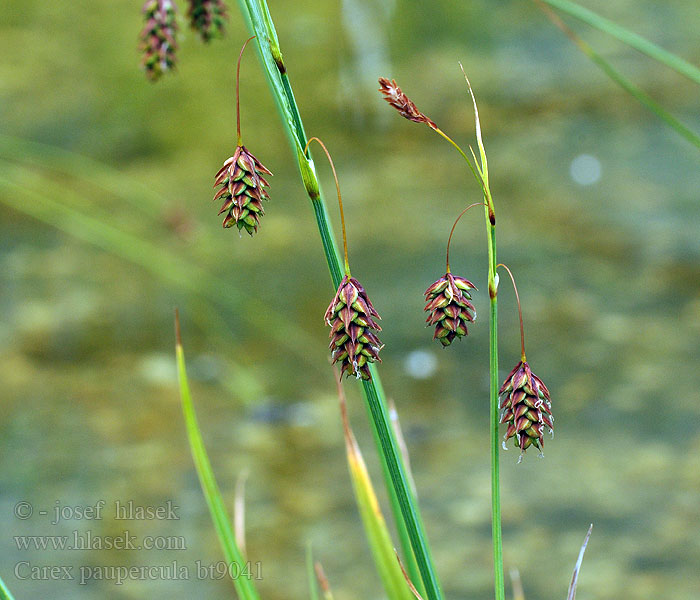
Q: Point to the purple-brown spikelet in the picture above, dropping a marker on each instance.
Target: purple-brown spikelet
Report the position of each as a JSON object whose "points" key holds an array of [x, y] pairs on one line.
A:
{"points": [[449, 307], [526, 408], [351, 318], [157, 38], [207, 17], [242, 190], [401, 102]]}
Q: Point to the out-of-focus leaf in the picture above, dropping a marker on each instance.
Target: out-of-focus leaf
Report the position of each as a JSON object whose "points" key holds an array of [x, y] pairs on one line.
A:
{"points": [[577, 568], [375, 526], [217, 508]]}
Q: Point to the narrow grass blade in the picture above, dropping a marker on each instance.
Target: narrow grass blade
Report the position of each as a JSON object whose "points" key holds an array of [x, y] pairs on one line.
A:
{"points": [[310, 574], [626, 36], [323, 581], [4, 592], [413, 589], [239, 511], [57, 211], [398, 432], [516, 582], [217, 508], [637, 93], [375, 526], [577, 568]]}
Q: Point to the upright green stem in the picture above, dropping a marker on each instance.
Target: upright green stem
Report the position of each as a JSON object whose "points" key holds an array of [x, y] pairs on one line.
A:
{"points": [[408, 521], [481, 174]]}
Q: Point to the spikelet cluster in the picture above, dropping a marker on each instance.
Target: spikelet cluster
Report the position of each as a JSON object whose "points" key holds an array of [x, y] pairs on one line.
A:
{"points": [[449, 307], [351, 318], [157, 39], [242, 190], [526, 408], [207, 17], [401, 102]]}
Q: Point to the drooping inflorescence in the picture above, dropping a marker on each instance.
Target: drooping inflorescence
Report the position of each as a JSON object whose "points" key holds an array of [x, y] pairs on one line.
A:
{"points": [[401, 102], [525, 404], [350, 315], [448, 300], [157, 38], [449, 307], [526, 408], [208, 18], [242, 190], [351, 318], [242, 178]]}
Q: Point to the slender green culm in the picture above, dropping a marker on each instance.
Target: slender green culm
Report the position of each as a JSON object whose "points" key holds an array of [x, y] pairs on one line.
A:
{"points": [[633, 40], [310, 575], [217, 508], [409, 523]]}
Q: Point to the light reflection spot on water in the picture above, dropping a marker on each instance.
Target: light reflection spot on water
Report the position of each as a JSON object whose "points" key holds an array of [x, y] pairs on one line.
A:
{"points": [[420, 364], [585, 169]]}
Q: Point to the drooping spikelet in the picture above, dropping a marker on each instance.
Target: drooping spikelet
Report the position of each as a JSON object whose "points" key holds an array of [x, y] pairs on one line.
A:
{"points": [[401, 102], [526, 408], [449, 307], [242, 189], [157, 39], [207, 17], [351, 319]]}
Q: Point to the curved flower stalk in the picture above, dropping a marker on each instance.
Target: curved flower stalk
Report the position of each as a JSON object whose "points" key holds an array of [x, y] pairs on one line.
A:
{"points": [[350, 314], [525, 403], [449, 304], [242, 178]]}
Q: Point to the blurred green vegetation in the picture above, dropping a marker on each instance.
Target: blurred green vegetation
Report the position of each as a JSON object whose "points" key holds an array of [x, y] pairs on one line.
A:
{"points": [[608, 272]]}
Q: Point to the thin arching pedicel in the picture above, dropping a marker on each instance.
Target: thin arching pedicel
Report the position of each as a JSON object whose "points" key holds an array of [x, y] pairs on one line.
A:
{"points": [[449, 239], [520, 312], [238, 79], [340, 200]]}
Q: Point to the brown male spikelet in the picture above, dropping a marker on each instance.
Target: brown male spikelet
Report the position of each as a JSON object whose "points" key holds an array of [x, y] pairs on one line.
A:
{"points": [[526, 407], [157, 37], [401, 102], [242, 190], [449, 307], [207, 17], [351, 319]]}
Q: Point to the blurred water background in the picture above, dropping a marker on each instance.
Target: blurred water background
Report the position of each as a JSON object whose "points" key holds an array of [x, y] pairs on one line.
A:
{"points": [[598, 217]]}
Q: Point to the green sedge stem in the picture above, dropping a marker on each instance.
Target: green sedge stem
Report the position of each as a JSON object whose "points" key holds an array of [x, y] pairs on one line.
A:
{"points": [[340, 200], [520, 312], [238, 79], [449, 239], [408, 521], [489, 211]]}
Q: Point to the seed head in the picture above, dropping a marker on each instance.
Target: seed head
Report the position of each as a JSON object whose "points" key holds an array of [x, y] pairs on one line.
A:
{"points": [[157, 37], [401, 102], [449, 307], [526, 408], [207, 17], [242, 190], [351, 319]]}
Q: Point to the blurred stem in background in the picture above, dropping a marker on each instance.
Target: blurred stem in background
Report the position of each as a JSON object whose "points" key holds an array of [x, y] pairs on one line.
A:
{"points": [[633, 40], [408, 520]]}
